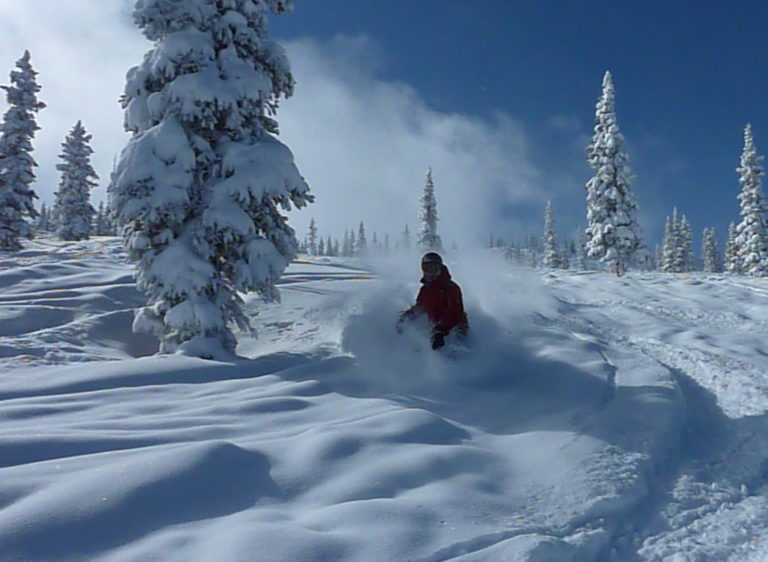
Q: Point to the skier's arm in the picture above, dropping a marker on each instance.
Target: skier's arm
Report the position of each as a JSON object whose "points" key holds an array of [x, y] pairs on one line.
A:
{"points": [[411, 313]]}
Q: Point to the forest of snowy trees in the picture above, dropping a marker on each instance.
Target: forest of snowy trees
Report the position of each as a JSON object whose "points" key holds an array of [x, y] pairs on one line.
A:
{"points": [[200, 189], [613, 238]]}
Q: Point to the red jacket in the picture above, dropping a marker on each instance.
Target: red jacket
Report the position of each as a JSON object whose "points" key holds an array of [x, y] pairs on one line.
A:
{"points": [[440, 299]]}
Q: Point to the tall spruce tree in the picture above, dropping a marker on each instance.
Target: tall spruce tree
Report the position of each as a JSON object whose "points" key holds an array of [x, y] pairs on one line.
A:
{"points": [[551, 257], [429, 239], [16, 162], [613, 233], [751, 233], [200, 188], [73, 198]]}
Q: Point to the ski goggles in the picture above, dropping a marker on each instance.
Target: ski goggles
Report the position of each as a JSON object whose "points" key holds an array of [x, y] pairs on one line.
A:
{"points": [[431, 268]]}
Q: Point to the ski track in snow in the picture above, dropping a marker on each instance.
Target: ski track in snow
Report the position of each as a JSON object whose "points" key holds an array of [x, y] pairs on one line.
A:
{"points": [[592, 418]]}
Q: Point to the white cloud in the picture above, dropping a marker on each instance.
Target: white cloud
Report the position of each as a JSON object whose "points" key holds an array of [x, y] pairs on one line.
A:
{"points": [[363, 143]]}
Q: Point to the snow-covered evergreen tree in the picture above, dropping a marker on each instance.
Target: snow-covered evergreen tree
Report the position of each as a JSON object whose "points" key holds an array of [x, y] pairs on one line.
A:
{"points": [[580, 261], [551, 258], [386, 248], [405, 239], [732, 264], [73, 198], [361, 247], [429, 239], [710, 257], [200, 188], [312, 238], [670, 245], [16, 162], [613, 233], [564, 257], [321, 247], [103, 224], [346, 248], [751, 233], [43, 223], [329, 247], [686, 257]]}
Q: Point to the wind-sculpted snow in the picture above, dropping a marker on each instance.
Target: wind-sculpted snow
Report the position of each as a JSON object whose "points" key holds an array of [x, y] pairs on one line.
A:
{"points": [[584, 419]]}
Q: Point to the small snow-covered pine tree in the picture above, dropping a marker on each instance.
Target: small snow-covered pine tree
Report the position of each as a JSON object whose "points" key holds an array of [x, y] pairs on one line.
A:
{"points": [[312, 238], [73, 198], [732, 264], [346, 248], [201, 186], [751, 233], [686, 258], [321, 247], [613, 233], [671, 245], [329, 247], [581, 250], [361, 248], [551, 258], [103, 224], [709, 255], [16, 162], [43, 224], [429, 239], [405, 239]]}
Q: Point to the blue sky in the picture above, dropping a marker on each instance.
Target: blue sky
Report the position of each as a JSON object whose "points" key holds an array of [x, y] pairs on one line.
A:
{"points": [[688, 75], [497, 96]]}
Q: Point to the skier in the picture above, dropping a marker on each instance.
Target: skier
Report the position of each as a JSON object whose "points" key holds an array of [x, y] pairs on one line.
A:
{"points": [[440, 299]]}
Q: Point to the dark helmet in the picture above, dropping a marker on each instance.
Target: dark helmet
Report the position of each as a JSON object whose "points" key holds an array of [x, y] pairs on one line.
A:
{"points": [[432, 257]]}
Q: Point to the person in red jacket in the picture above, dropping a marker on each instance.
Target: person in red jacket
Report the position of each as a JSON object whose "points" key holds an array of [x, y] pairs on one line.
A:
{"points": [[440, 299]]}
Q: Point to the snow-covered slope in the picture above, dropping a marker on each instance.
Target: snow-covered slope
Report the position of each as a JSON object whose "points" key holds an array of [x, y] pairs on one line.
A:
{"points": [[592, 418]]}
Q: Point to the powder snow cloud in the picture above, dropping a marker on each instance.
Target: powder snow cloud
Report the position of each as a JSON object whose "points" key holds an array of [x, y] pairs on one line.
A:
{"points": [[365, 144]]}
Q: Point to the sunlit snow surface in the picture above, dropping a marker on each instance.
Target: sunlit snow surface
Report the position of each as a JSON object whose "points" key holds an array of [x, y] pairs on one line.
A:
{"points": [[588, 418]]}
